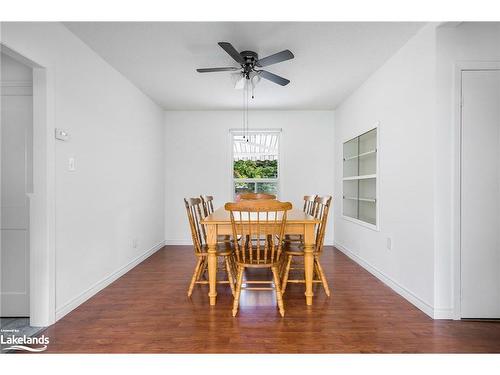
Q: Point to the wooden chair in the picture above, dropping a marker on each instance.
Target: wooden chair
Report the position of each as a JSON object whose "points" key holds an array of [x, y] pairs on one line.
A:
{"points": [[224, 250], [255, 196], [322, 207], [261, 226]]}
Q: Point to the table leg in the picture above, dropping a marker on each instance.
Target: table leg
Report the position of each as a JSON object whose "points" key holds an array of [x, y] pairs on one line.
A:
{"points": [[309, 261], [212, 262]]}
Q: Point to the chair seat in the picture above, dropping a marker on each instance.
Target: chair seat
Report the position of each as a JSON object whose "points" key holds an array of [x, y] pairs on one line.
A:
{"points": [[293, 238], [223, 238], [294, 249], [223, 249]]}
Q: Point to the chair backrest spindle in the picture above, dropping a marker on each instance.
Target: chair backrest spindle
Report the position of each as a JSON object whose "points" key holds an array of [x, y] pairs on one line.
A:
{"points": [[208, 204], [309, 204]]}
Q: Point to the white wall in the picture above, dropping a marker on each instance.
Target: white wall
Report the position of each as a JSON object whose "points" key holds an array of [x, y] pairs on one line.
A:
{"points": [[468, 42], [117, 137], [198, 159], [400, 98]]}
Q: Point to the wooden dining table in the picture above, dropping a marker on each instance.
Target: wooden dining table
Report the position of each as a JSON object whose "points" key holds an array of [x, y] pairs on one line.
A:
{"points": [[298, 222]]}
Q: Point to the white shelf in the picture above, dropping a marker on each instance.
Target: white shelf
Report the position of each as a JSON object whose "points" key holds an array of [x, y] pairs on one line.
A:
{"points": [[361, 155], [359, 186], [365, 177], [371, 200]]}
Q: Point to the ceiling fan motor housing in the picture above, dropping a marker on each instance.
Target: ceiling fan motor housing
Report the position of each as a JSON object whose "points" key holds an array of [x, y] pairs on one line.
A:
{"points": [[250, 58]]}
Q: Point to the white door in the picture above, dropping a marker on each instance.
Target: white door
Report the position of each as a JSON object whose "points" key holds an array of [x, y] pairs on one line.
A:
{"points": [[480, 208], [16, 164]]}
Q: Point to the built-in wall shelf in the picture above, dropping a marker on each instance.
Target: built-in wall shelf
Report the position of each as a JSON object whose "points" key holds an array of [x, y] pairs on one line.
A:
{"points": [[371, 200], [359, 182], [368, 153], [365, 177]]}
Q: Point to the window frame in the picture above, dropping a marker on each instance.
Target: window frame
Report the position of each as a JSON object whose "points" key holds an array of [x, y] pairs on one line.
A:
{"points": [[232, 134]]}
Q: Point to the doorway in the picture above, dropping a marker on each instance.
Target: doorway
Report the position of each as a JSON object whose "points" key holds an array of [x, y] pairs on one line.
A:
{"points": [[30, 205], [480, 194], [16, 184]]}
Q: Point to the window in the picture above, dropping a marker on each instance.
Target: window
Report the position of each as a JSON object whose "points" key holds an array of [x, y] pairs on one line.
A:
{"points": [[359, 183], [255, 162]]}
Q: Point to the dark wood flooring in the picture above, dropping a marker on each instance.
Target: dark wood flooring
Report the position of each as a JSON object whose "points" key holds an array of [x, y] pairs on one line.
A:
{"points": [[147, 311]]}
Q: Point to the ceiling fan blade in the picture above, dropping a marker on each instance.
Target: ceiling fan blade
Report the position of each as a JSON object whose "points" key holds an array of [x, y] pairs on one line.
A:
{"points": [[228, 47], [209, 70], [276, 58], [273, 77]]}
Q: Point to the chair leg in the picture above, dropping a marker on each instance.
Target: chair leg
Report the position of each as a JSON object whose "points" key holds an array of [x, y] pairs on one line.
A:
{"points": [[286, 272], [195, 276], [234, 268], [239, 281], [323, 277], [229, 274], [279, 296], [282, 265], [202, 269], [316, 271]]}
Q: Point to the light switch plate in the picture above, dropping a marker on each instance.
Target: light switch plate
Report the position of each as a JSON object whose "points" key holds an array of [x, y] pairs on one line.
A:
{"points": [[62, 134], [71, 164]]}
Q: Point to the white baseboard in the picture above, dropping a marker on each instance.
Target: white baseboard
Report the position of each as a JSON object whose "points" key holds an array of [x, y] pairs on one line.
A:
{"points": [[179, 242], [329, 242], [100, 285], [394, 285], [189, 242]]}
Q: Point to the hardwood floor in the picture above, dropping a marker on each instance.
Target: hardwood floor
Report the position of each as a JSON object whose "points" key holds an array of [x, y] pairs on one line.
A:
{"points": [[147, 311]]}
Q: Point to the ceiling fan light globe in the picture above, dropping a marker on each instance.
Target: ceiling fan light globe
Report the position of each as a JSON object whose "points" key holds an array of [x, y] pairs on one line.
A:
{"points": [[255, 79], [239, 82]]}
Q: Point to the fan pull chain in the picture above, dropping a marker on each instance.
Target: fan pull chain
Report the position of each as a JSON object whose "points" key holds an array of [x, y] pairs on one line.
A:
{"points": [[244, 112], [246, 109]]}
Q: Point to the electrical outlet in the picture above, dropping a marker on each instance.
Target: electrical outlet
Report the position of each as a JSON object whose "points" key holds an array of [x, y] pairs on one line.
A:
{"points": [[135, 243], [389, 243]]}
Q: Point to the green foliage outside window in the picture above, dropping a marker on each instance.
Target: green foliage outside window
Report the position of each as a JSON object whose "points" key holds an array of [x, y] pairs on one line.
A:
{"points": [[256, 169]]}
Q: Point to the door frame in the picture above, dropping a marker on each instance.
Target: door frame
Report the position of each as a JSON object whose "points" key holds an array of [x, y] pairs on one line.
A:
{"points": [[460, 67], [42, 199]]}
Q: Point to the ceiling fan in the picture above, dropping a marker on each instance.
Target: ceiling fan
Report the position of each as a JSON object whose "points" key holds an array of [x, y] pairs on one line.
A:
{"points": [[249, 60]]}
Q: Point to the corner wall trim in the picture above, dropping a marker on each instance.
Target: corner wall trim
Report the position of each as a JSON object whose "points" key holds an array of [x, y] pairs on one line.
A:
{"points": [[402, 291], [100, 285]]}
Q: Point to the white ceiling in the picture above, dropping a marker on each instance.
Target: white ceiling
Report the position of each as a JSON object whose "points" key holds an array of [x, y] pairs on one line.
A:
{"points": [[331, 59]]}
